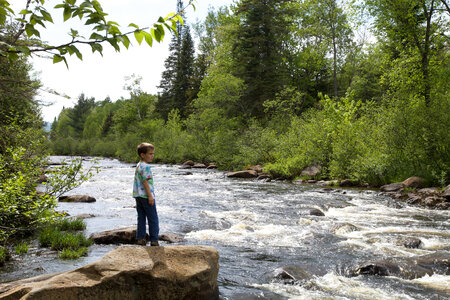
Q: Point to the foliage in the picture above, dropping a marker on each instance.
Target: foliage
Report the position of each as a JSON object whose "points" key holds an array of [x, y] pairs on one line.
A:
{"points": [[67, 177], [71, 224], [260, 50], [21, 248], [70, 245], [67, 253], [288, 85], [176, 82], [36, 14]]}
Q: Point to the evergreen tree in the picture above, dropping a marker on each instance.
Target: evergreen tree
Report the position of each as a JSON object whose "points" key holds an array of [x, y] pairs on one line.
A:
{"points": [[80, 112], [260, 50], [184, 73], [176, 78]]}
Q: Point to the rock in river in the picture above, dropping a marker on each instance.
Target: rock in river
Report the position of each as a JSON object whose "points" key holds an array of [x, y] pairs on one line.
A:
{"points": [[76, 198], [127, 235], [243, 174], [129, 272]]}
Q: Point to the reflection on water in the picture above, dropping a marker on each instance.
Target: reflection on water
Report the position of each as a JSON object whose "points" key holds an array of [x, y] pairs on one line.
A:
{"points": [[259, 227]]}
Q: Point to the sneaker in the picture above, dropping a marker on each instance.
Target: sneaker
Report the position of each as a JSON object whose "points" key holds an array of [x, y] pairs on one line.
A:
{"points": [[141, 242], [155, 243]]}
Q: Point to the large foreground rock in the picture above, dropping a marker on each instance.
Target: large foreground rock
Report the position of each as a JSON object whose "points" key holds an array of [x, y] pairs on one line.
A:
{"points": [[130, 272]]}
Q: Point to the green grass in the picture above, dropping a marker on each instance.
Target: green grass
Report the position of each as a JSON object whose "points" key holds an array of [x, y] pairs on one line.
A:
{"points": [[73, 254], [71, 225], [21, 248], [61, 237]]}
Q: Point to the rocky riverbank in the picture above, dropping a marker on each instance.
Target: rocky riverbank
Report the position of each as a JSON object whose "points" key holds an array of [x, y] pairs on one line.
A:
{"points": [[130, 272]]}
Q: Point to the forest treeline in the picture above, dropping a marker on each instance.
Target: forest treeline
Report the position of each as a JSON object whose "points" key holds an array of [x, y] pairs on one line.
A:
{"points": [[289, 84]]}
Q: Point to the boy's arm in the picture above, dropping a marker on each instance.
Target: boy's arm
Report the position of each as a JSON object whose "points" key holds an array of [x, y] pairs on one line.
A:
{"points": [[151, 201]]}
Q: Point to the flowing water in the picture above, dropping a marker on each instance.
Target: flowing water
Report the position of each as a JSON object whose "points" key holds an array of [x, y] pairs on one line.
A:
{"points": [[260, 227]]}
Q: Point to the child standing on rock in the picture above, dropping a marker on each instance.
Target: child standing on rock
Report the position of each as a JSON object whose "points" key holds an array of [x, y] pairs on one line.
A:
{"points": [[144, 193]]}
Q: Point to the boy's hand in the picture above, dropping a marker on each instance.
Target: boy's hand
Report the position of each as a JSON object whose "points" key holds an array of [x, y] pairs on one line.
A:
{"points": [[151, 201]]}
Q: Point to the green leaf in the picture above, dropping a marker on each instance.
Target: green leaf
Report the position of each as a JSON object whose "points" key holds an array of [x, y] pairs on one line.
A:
{"points": [[30, 30], [13, 56], [47, 16], [161, 20], [67, 13], [25, 12], [126, 41], [73, 32], [148, 38], [97, 47], [59, 6], [156, 33], [57, 58], [139, 35], [169, 16], [113, 43], [133, 25], [96, 36], [71, 2]]}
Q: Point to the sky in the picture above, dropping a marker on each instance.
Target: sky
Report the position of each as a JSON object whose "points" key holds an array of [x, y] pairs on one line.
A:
{"points": [[102, 76]]}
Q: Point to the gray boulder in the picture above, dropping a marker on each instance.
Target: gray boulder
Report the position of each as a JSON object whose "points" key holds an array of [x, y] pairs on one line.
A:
{"points": [[393, 187], [125, 235], [243, 174], [316, 212], [446, 193], [413, 182], [311, 171], [130, 272]]}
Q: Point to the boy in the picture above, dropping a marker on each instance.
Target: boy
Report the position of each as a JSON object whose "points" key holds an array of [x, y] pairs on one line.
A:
{"points": [[144, 194]]}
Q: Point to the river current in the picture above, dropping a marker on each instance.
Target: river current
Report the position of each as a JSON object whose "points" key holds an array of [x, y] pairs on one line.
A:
{"points": [[259, 227]]}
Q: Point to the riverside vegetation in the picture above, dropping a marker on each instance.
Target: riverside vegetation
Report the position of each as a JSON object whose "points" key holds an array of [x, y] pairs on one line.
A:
{"points": [[290, 84], [285, 84], [24, 145]]}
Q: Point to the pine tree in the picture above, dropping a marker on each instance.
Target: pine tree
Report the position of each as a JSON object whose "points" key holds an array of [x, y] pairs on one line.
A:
{"points": [[260, 50], [184, 73], [176, 79]]}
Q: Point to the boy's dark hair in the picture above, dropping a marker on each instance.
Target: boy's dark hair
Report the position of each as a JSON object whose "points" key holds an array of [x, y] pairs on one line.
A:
{"points": [[144, 147]]}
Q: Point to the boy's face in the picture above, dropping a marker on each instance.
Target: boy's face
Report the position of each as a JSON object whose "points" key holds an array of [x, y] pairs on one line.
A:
{"points": [[148, 157]]}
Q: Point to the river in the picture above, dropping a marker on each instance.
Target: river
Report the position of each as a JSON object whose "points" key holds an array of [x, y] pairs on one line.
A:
{"points": [[259, 227]]}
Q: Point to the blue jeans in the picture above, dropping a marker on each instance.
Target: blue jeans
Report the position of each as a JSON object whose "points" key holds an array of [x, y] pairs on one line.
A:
{"points": [[146, 211]]}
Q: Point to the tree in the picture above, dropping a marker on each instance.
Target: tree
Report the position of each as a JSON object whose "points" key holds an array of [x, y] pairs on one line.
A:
{"points": [[80, 112], [260, 50], [176, 78], [184, 73], [327, 23], [27, 40], [413, 28]]}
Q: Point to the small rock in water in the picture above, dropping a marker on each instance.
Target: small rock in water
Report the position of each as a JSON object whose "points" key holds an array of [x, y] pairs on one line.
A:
{"points": [[316, 212], [291, 274], [171, 238], [412, 243], [77, 198]]}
